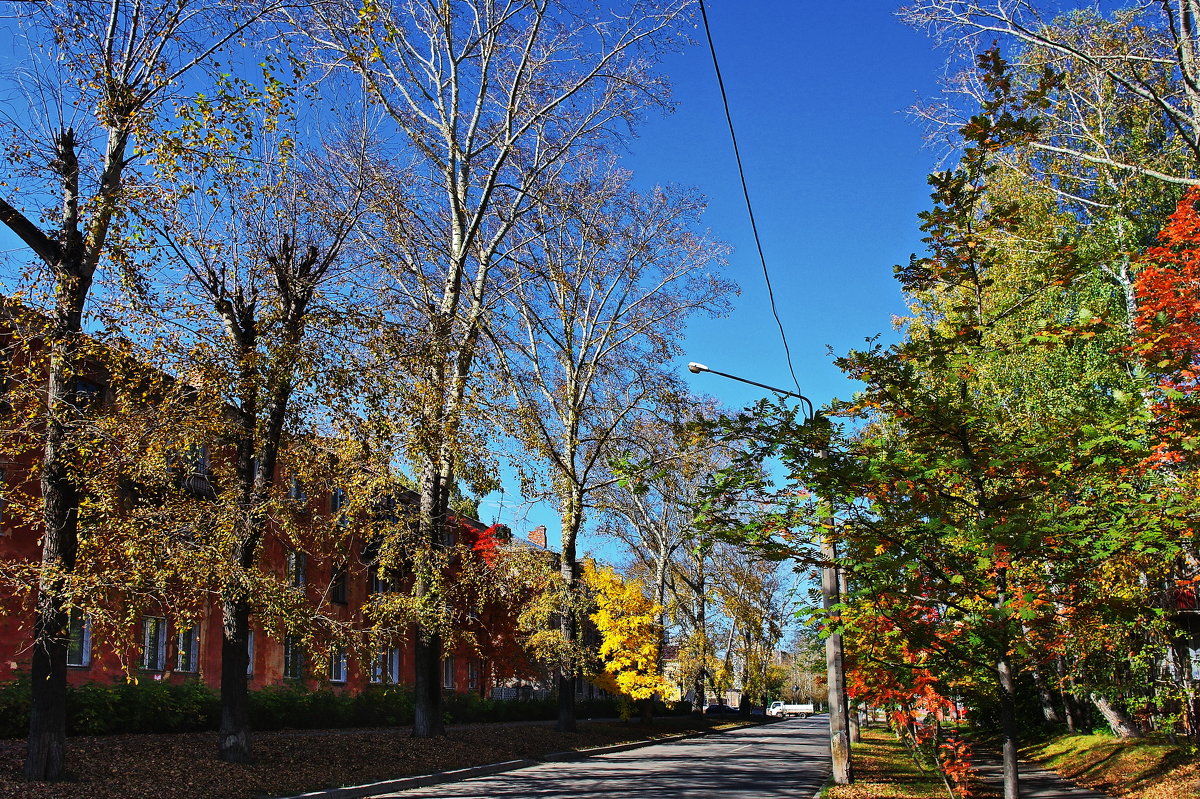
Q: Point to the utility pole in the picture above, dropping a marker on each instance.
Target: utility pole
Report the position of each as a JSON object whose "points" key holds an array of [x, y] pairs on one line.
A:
{"points": [[835, 670]]}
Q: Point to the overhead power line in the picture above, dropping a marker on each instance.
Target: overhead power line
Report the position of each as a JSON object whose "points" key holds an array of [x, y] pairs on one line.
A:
{"points": [[746, 193]]}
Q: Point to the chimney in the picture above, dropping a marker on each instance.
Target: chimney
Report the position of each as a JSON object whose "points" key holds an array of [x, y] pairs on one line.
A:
{"points": [[538, 536]]}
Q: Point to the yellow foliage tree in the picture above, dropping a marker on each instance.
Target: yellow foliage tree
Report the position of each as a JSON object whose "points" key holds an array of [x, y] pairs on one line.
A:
{"points": [[628, 623]]}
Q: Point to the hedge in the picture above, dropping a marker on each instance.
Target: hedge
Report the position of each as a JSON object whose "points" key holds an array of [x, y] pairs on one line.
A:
{"points": [[154, 706]]}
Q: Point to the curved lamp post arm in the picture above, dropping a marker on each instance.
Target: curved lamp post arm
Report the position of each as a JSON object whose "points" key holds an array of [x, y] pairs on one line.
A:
{"points": [[697, 368]]}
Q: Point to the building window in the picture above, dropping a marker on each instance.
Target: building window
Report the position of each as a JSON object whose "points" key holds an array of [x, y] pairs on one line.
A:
{"points": [[295, 569], [79, 643], [296, 491], [337, 586], [88, 394], [337, 499], [293, 658], [448, 673], [473, 674], [198, 460], [154, 643], [188, 645], [386, 666], [379, 583], [1193, 651], [337, 665], [250, 653]]}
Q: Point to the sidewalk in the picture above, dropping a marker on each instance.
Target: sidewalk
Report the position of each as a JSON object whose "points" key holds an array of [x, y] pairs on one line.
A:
{"points": [[1036, 782]]}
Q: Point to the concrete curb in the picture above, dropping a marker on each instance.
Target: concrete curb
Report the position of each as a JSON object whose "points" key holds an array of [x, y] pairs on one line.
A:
{"points": [[827, 782], [583, 754], [391, 788]]}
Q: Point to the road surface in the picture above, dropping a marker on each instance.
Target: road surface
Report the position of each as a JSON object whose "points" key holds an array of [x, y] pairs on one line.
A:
{"points": [[789, 759]]}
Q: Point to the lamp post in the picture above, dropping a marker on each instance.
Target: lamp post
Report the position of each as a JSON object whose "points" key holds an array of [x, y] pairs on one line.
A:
{"points": [[835, 672]]}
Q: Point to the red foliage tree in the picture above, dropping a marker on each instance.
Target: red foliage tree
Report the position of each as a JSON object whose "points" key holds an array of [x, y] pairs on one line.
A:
{"points": [[1167, 326]]}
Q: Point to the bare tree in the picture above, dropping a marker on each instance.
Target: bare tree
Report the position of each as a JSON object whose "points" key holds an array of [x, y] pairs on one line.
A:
{"points": [[651, 511], [97, 76], [600, 290], [488, 100], [1144, 56]]}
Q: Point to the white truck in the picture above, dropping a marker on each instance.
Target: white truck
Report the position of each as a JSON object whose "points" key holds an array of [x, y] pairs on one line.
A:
{"points": [[783, 710]]}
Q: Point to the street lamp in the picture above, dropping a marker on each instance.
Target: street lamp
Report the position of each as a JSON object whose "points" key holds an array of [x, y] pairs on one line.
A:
{"points": [[697, 368], [835, 672]]}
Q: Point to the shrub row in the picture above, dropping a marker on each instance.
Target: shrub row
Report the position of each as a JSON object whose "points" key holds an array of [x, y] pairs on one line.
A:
{"points": [[152, 706]]}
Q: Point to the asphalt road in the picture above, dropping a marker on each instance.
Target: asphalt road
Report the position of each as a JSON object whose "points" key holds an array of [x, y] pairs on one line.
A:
{"points": [[788, 759]]}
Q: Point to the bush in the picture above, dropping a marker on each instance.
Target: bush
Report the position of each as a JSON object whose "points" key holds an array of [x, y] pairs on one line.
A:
{"points": [[383, 706], [14, 708], [157, 706], [149, 706]]}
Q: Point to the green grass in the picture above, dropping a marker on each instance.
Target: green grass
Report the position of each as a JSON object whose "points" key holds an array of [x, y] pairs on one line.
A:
{"points": [[883, 769], [1142, 769]]}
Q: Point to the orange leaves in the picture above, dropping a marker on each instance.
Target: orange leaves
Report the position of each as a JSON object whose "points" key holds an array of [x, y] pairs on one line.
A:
{"points": [[1167, 326]]}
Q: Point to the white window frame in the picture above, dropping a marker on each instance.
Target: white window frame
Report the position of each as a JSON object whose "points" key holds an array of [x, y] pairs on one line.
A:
{"points": [[473, 673], [386, 666], [379, 583], [79, 621], [338, 665], [187, 650], [154, 643], [295, 564], [293, 655], [250, 653], [337, 499], [448, 673], [296, 491]]}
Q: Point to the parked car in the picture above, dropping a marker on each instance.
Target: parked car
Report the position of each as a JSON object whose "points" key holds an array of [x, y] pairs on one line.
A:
{"points": [[720, 710]]}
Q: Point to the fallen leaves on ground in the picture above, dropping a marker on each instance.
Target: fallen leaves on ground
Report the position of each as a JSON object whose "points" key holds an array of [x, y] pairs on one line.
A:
{"points": [[883, 769], [184, 766], [1129, 769]]}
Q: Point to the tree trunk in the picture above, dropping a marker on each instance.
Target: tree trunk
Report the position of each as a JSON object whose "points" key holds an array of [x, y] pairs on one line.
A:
{"points": [[572, 519], [427, 690], [1008, 727], [839, 733], [1007, 694], [427, 644], [234, 743], [47, 742], [1118, 718], [1049, 708], [702, 623], [566, 626]]}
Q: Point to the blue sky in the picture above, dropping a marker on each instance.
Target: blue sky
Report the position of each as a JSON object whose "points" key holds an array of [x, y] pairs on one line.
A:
{"points": [[836, 169]]}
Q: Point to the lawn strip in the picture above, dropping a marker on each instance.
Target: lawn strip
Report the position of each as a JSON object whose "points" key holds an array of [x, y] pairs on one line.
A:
{"points": [[1145, 769], [883, 769]]}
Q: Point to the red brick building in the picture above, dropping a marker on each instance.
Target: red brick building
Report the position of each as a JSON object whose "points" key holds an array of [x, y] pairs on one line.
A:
{"points": [[159, 646]]}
